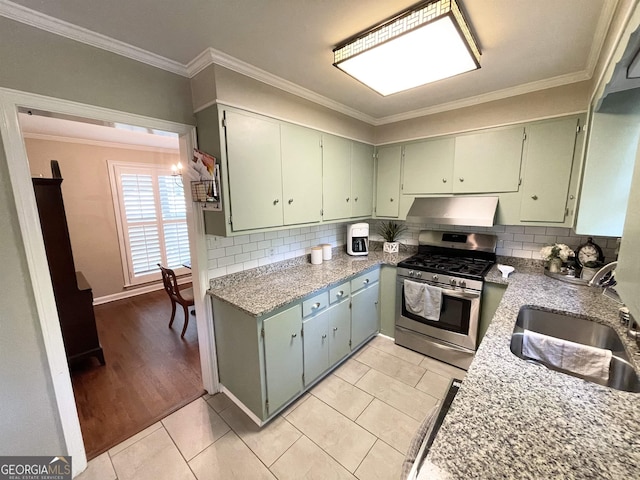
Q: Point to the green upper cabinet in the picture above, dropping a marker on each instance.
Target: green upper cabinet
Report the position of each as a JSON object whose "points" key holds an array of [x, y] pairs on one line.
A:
{"points": [[347, 178], [361, 179], [336, 177], [548, 160], [388, 180], [428, 166], [488, 161], [255, 178], [301, 174], [283, 356]]}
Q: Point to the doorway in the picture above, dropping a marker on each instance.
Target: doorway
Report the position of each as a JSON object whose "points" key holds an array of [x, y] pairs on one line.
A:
{"points": [[44, 302]]}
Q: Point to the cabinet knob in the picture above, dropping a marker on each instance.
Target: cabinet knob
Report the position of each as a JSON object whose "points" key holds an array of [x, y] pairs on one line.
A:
{"points": [[391, 199], [276, 201], [340, 293], [290, 201], [355, 199], [366, 280], [571, 197], [294, 335], [315, 305], [347, 199], [535, 197], [335, 329], [462, 179], [324, 336], [444, 180]]}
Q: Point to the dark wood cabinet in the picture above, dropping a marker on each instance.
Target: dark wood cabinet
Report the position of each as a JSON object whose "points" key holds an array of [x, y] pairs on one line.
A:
{"points": [[73, 294]]}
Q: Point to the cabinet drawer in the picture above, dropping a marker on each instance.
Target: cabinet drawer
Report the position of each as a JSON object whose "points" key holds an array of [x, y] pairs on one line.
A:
{"points": [[336, 294], [315, 304], [365, 279]]}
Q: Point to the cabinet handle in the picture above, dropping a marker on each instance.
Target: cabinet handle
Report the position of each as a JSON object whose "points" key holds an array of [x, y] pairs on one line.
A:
{"points": [[391, 199], [324, 336], [335, 329], [276, 201], [315, 305], [462, 179], [366, 280], [444, 180], [347, 199], [290, 201], [535, 197], [294, 335]]}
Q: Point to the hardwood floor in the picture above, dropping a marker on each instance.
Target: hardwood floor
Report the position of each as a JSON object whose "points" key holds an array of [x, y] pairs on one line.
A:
{"points": [[150, 370]]}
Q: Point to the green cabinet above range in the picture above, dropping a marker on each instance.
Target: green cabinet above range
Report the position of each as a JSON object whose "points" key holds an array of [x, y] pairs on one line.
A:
{"points": [[277, 174], [533, 168]]}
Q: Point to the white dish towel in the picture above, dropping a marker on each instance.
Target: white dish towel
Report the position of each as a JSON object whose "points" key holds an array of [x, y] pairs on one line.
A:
{"points": [[423, 300], [578, 358]]}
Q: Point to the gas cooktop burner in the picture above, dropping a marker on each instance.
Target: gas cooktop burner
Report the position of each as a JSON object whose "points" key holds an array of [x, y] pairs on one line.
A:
{"points": [[476, 267]]}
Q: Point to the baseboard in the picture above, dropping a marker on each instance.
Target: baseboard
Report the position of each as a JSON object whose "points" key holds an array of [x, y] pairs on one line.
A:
{"points": [[136, 291]]}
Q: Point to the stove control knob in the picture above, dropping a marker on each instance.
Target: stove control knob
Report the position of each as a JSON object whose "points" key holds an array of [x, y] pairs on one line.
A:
{"points": [[411, 273], [419, 274], [462, 283], [453, 282], [435, 278]]}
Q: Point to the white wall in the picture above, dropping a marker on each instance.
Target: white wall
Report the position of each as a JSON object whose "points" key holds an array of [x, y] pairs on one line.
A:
{"points": [[235, 254]]}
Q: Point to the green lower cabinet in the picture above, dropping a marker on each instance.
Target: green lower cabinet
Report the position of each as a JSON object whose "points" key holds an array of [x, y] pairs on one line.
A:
{"points": [[365, 315], [491, 296], [316, 346], [339, 332], [283, 357]]}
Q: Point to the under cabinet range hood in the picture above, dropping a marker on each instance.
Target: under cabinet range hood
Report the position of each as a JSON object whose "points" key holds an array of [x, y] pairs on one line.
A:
{"points": [[463, 210]]}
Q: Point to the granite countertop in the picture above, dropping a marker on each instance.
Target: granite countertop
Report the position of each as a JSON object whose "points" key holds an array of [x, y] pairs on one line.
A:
{"points": [[512, 419], [262, 290]]}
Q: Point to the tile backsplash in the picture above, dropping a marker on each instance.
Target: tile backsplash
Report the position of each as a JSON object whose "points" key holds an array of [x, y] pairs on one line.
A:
{"points": [[234, 254]]}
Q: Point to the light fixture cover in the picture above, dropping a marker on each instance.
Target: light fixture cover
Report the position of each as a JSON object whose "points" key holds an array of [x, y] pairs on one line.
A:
{"points": [[430, 42]]}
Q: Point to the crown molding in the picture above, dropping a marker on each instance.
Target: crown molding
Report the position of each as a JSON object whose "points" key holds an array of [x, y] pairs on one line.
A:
{"points": [[74, 32], [212, 56], [487, 97], [604, 22], [100, 143]]}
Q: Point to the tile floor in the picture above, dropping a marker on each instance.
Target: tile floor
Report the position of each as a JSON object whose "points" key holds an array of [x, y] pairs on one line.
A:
{"points": [[356, 423]]}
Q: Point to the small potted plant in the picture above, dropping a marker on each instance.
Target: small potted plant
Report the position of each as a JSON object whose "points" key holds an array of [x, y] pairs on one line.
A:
{"points": [[390, 232], [556, 255]]}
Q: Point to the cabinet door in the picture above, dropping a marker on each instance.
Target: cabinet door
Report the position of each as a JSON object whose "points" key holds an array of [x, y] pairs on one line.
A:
{"points": [[339, 332], [255, 180], [361, 180], [388, 181], [428, 166], [488, 162], [301, 174], [283, 356], [316, 346], [364, 314], [336, 177], [549, 157]]}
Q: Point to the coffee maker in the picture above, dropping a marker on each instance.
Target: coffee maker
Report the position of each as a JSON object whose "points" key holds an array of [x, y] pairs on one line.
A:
{"points": [[358, 239]]}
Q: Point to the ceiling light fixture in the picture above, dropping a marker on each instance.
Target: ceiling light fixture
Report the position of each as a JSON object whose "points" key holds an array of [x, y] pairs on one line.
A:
{"points": [[429, 42]]}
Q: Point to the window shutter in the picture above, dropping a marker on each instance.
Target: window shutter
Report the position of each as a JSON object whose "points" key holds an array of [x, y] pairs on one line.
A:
{"points": [[174, 221]]}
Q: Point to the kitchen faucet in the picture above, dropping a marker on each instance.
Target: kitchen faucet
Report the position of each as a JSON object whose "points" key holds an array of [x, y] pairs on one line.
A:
{"points": [[598, 279]]}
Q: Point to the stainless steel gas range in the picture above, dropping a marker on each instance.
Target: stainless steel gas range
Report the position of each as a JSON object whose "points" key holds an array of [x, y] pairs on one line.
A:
{"points": [[449, 267]]}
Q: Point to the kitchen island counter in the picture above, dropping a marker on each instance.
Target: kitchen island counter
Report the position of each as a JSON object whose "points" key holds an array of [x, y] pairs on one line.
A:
{"points": [[513, 419]]}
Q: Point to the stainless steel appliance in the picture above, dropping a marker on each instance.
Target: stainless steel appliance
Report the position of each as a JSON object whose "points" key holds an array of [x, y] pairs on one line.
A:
{"points": [[358, 239], [457, 263]]}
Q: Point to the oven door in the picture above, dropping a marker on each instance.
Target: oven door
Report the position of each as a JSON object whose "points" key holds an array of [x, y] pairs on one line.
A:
{"points": [[459, 314]]}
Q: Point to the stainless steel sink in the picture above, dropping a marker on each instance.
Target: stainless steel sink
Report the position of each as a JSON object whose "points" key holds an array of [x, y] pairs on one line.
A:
{"points": [[622, 375]]}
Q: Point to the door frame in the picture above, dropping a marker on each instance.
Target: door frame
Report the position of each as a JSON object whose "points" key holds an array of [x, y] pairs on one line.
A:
{"points": [[28, 219]]}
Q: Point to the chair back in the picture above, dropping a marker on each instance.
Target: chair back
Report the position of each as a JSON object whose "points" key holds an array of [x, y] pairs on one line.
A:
{"points": [[170, 282]]}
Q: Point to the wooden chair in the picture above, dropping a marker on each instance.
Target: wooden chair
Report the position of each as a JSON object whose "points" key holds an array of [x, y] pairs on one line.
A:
{"points": [[183, 297]]}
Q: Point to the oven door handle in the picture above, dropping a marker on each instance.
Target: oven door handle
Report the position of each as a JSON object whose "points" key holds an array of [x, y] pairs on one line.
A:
{"points": [[463, 294]]}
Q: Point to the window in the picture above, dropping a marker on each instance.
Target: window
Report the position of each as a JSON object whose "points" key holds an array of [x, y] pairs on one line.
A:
{"points": [[151, 219]]}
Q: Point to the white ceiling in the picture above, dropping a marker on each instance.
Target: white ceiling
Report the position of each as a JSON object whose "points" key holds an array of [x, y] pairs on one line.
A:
{"points": [[526, 45]]}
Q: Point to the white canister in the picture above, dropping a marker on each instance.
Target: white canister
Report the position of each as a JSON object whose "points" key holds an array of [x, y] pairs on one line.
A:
{"points": [[316, 255], [326, 251]]}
